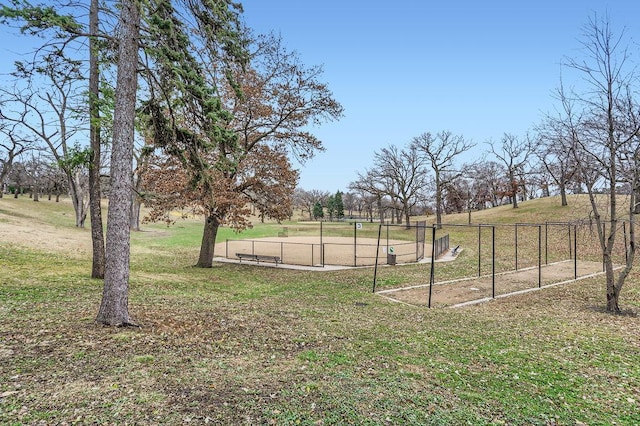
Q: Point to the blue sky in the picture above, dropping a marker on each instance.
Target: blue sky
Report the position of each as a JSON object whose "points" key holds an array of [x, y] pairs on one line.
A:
{"points": [[475, 68]]}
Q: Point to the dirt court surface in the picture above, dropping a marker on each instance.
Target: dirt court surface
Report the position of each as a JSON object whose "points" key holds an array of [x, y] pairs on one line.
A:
{"points": [[456, 292], [311, 251]]}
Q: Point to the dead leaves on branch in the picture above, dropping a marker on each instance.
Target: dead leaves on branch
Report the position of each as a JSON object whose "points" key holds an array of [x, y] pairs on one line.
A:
{"points": [[264, 179]]}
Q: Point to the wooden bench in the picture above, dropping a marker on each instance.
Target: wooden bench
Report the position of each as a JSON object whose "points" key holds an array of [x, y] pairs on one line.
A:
{"points": [[258, 258]]}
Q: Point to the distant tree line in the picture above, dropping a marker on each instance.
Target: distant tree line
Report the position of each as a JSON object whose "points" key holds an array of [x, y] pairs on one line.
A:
{"points": [[589, 144], [423, 178]]}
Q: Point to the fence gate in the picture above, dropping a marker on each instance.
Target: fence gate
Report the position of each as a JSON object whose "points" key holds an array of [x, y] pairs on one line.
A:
{"points": [[421, 230]]}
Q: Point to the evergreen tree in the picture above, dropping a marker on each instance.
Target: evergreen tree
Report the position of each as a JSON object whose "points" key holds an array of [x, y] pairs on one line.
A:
{"points": [[318, 212], [339, 205], [331, 206]]}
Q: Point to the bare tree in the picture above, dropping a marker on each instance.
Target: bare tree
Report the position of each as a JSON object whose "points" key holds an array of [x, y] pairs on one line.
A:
{"points": [[350, 201], [514, 154], [55, 181], [35, 167], [456, 195], [365, 201], [630, 153], [305, 200], [51, 116], [18, 178], [487, 177], [370, 187], [605, 142], [554, 147], [441, 151], [12, 146], [404, 175], [56, 23]]}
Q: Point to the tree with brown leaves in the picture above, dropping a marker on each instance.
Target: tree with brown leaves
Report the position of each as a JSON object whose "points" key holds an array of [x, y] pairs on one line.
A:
{"points": [[223, 157]]}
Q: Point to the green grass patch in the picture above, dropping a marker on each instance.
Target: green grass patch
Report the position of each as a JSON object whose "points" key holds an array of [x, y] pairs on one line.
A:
{"points": [[240, 344]]}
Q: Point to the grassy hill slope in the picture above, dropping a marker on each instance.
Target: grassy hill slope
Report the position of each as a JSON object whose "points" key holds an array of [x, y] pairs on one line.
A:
{"points": [[540, 210], [240, 344]]}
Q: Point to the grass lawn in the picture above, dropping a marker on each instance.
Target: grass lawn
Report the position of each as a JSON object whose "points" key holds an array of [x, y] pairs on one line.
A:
{"points": [[240, 344]]}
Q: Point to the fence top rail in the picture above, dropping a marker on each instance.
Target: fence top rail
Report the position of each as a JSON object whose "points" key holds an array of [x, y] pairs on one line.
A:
{"points": [[489, 225], [513, 225], [466, 225], [405, 226], [395, 243], [250, 240]]}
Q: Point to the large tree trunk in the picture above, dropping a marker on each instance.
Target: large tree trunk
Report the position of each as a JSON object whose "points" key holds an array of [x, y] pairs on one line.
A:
{"points": [[114, 308], [606, 239], [630, 255], [207, 247], [380, 209], [97, 233], [514, 190], [77, 198], [563, 195], [613, 292], [95, 195], [545, 190]]}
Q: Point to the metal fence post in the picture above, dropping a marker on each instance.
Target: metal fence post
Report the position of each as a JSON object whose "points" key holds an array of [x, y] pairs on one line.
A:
{"points": [[433, 261], [546, 243], [539, 256], [516, 232], [493, 262], [375, 268], [575, 251], [355, 245], [479, 248]]}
